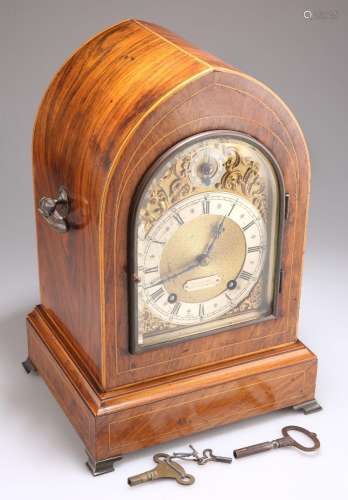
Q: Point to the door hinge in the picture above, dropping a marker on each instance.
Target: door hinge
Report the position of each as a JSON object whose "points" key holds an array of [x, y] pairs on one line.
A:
{"points": [[287, 206], [280, 287]]}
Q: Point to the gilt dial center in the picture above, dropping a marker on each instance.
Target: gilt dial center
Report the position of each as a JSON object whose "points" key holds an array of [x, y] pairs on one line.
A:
{"points": [[198, 250], [203, 260]]}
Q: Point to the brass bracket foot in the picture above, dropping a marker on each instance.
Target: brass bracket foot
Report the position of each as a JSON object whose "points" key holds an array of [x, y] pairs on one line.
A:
{"points": [[98, 467], [28, 366], [308, 407]]}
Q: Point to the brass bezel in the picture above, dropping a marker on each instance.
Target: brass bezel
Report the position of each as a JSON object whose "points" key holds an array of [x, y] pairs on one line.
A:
{"points": [[134, 346]]}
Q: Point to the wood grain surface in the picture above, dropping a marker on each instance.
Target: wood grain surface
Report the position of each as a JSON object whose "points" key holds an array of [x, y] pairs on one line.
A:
{"points": [[127, 419], [120, 101], [114, 107]]}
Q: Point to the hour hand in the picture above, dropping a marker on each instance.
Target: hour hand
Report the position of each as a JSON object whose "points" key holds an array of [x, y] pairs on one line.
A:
{"points": [[174, 275]]}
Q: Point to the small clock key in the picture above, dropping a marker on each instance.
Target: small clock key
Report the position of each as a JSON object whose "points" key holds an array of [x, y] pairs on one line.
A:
{"points": [[207, 456], [165, 468], [286, 440]]}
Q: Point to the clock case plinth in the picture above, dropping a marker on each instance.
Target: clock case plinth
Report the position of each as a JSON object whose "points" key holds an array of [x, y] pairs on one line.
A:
{"points": [[112, 424], [123, 99]]}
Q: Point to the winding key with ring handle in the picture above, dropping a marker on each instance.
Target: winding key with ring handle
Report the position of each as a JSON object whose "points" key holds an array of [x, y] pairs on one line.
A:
{"points": [[286, 440]]}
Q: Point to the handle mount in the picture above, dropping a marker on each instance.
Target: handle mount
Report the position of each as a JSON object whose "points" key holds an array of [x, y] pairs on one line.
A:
{"points": [[55, 211]]}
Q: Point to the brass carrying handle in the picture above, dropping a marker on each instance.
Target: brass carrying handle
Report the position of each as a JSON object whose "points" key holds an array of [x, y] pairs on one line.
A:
{"points": [[55, 211]]}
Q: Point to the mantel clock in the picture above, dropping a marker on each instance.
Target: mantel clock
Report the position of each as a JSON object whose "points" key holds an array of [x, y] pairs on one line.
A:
{"points": [[172, 194]]}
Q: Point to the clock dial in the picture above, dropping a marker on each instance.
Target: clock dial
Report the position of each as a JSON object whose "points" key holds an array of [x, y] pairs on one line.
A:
{"points": [[221, 245], [205, 240]]}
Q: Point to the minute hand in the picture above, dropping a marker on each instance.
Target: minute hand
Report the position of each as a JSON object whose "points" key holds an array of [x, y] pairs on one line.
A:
{"points": [[174, 275], [215, 237]]}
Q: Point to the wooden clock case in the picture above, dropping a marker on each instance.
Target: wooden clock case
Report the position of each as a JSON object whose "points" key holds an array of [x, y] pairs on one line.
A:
{"points": [[119, 102]]}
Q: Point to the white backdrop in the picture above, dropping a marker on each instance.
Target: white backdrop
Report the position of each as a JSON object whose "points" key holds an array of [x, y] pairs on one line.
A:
{"points": [[304, 61]]}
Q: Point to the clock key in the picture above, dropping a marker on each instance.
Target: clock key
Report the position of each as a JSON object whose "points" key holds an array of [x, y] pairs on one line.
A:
{"points": [[166, 468], [207, 456], [286, 440]]}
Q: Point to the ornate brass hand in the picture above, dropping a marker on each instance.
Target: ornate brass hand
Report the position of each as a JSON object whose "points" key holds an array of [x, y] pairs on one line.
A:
{"points": [[217, 233], [199, 260]]}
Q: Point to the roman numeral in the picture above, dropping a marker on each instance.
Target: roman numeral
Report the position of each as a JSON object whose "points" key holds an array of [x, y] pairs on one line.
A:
{"points": [[245, 275], [230, 301], [201, 310], [248, 225], [178, 219], [254, 249], [157, 294], [229, 213], [159, 242], [206, 206], [151, 270], [176, 308]]}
